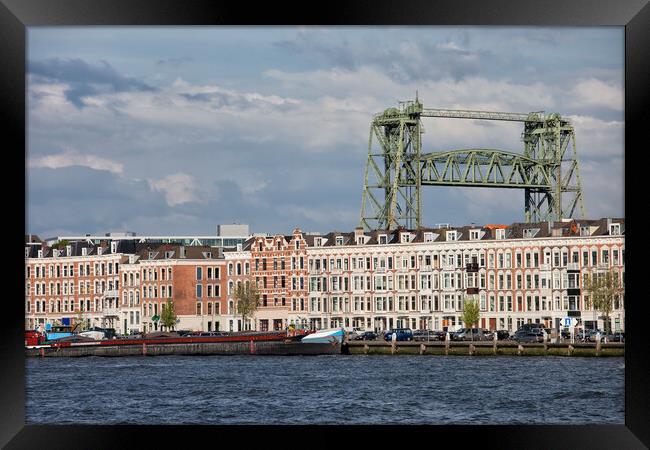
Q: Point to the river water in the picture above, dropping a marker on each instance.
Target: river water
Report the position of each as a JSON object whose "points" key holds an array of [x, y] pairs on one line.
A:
{"points": [[335, 389]]}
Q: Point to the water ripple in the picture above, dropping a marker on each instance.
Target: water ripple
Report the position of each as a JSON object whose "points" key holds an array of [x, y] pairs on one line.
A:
{"points": [[369, 389]]}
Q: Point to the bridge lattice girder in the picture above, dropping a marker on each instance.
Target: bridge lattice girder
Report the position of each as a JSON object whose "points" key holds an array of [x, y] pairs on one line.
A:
{"points": [[479, 168]]}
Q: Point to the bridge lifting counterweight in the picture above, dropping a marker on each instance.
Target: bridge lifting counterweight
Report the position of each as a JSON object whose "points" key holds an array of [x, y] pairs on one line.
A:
{"points": [[396, 168]]}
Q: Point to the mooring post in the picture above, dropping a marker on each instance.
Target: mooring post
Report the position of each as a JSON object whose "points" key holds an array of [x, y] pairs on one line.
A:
{"points": [[598, 347], [447, 344], [423, 348], [252, 347], [393, 343], [570, 350], [494, 345], [144, 349], [520, 349], [366, 348], [472, 349], [42, 352]]}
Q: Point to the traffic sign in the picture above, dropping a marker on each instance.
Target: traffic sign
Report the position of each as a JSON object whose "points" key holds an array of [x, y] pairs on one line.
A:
{"points": [[569, 322]]}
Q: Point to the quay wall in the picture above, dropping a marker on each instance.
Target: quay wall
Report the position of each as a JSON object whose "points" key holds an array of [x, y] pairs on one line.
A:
{"points": [[482, 349]]}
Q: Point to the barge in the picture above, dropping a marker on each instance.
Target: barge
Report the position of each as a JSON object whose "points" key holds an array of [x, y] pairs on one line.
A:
{"points": [[277, 343]]}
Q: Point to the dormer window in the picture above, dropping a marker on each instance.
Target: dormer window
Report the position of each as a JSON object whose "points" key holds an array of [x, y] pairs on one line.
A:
{"points": [[84, 251], [361, 240], [452, 235], [406, 238], [383, 239], [152, 255], [40, 253], [585, 231], [500, 233], [339, 240], [428, 237], [297, 245], [169, 254], [474, 235], [207, 255], [318, 242], [530, 232], [68, 250], [99, 250], [26, 252], [113, 247], [614, 228]]}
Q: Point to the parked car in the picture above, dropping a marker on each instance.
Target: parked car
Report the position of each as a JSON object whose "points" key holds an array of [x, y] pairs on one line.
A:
{"points": [[424, 335], [502, 334], [527, 336], [469, 334], [402, 334], [455, 335], [439, 335], [366, 336]]}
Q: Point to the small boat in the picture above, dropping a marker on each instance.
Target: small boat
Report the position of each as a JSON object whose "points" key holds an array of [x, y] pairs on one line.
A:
{"points": [[332, 335]]}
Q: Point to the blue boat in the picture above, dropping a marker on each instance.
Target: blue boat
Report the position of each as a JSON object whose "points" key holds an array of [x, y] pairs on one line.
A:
{"points": [[59, 331], [332, 335]]}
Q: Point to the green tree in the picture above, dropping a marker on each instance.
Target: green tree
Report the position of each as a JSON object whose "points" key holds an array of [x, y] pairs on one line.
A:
{"points": [[603, 289], [471, 313], [79, 322], [168, 315], [60, 244], [247, 299]]}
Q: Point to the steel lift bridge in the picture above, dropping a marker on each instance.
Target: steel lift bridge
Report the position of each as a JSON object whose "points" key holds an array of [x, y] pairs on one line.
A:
{"points": [[396, 168]]}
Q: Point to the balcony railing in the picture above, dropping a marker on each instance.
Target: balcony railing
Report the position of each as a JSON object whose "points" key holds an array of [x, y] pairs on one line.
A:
{"points": [[545, 267], [573, 266], [472, 291], [111, 312], [472, 267], [111, 293]]}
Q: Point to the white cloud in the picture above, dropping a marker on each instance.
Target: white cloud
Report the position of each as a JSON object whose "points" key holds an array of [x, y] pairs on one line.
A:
{"points": [[73, 158], [596, 93], [178, 188]]}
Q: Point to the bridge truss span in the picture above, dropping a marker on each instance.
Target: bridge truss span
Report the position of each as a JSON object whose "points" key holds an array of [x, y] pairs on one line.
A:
{"points": [[396, 169]]}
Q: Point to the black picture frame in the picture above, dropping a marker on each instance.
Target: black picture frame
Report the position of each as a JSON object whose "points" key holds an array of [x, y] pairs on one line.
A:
{"points": [[634, 15]]}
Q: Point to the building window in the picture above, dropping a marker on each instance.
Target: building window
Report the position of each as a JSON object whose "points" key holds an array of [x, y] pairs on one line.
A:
{"points": [[198, 308], [199, 273], [199, 291]]}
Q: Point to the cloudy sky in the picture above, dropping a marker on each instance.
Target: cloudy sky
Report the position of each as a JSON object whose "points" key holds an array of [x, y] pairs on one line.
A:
{"points": [[166, 130]]}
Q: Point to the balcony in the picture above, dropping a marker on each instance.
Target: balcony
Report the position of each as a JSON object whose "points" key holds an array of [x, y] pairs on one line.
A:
{"points": [[472, 291], [573, 266], [472, 267], [380, 269], [111, 312], [545, 267], [111, 293], [425, 269]]}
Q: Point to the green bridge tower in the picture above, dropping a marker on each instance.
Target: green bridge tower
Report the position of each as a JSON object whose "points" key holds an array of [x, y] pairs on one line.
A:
{"points": [[396, 168]]}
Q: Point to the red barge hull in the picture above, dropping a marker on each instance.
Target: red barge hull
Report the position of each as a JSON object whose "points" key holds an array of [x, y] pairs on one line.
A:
{"points": [[260, 344]]}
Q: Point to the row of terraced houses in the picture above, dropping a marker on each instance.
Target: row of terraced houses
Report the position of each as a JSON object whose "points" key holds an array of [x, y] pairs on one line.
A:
{"points": [[376, 280]]}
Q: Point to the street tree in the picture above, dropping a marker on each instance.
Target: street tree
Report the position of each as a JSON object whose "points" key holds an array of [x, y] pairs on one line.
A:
{"points": [[471, 314], [246, 300], [79, 322], [168, 315], [604, 289]]}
